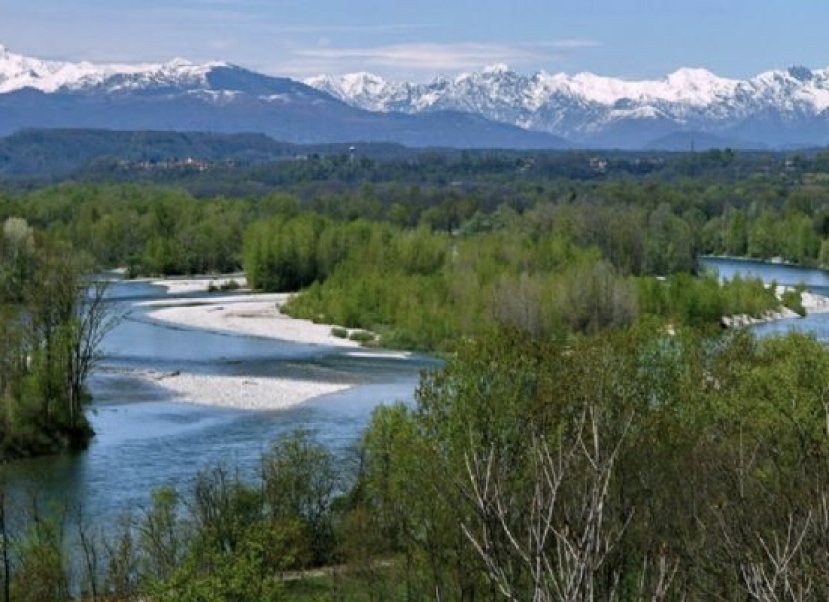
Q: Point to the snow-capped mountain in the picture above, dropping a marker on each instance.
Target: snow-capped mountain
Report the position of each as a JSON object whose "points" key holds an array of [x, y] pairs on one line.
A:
{"points": [[771, 109], [218, 97], [18, 72], [496, 107]]}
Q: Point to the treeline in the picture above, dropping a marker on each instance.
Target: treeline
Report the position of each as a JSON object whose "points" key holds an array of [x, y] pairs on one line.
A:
{"points": [[739, 204], [795, 234], [551, 272], [422, 267], [628, 466], [148, 230], [233, 164], [51, 323], [49, 154]]}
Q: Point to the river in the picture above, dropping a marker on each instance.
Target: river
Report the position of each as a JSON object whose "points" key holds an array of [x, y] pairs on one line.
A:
{"points": [[146, 439], [816, 281]]}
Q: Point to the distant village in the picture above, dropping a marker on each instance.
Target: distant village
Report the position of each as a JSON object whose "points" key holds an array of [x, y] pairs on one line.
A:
{"points": [[188, 163], [193, 164]]}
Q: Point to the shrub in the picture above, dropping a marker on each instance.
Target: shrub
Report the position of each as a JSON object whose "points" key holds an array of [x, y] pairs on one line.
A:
{"points": [[339, 332], [230, 285], [361, 336], [794, 301], [400, 338]]}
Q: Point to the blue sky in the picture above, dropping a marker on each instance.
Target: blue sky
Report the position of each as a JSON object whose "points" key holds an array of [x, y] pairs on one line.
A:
{"points": [[418, 39]]}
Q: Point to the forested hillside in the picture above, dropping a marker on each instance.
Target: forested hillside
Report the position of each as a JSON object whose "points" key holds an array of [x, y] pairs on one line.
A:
{"points": [[49, 154]]}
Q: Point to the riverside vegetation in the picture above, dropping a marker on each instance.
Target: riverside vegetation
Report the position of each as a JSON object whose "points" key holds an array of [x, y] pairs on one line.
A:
{"points": [[594, 434], [52, 321], [625, 465]]}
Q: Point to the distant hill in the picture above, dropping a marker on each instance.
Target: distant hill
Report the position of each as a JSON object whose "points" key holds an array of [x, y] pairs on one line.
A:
{"points": [[61, 152], [699, 141]]}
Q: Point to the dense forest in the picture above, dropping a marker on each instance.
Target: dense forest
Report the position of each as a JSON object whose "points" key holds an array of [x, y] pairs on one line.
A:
{"points": [[594, 433]]}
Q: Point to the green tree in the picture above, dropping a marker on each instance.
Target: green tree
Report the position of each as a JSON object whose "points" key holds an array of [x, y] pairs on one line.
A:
{"points": [[300, 481]]}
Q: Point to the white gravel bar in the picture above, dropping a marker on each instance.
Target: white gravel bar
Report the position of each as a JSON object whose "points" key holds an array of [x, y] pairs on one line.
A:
{"points": [[254, 315], [243, 314], [239, 392]]}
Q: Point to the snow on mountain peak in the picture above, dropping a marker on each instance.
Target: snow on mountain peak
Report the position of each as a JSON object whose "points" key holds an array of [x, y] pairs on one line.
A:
{"points": [[363, 82], [583, 107], [368, 90], [698, 86], [694, 87], [578, 106], [496, 69], [178, 63], [18, 72]]}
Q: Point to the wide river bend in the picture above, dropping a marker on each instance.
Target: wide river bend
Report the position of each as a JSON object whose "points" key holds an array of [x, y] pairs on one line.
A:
{"points": [[146, 438]]}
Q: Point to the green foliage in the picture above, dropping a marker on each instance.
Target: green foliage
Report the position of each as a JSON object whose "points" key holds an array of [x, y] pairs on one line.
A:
{"points": [[361, 336], [246, 576], [422, 290], [718, 442], [282, 254], [53, 322], [670, 458], [42, 571], [162, 536], [793, 299], [300, 480], [148, 230], [702, 301]]}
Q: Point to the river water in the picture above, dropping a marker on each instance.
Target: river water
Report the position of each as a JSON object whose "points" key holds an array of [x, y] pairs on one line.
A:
{"points": [[816, 281], [146, 439]]}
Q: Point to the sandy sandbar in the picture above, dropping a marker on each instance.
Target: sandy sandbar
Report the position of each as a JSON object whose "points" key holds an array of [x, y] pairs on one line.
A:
{"points": [[184, 286], [243, 314], [239, 392], [254, 315]]}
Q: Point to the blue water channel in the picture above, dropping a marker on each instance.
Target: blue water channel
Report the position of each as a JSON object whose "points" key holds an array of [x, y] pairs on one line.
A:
{"points": [[816, 281], [146, 438]]}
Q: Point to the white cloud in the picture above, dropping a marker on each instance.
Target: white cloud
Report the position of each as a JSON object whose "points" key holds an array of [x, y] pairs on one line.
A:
{"points": [[425, 58], [574, 43]]}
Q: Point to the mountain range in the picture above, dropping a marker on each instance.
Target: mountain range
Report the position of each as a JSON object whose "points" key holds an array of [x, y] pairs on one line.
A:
{"points": [[219, 97], [773, 109], [494, 108]]}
